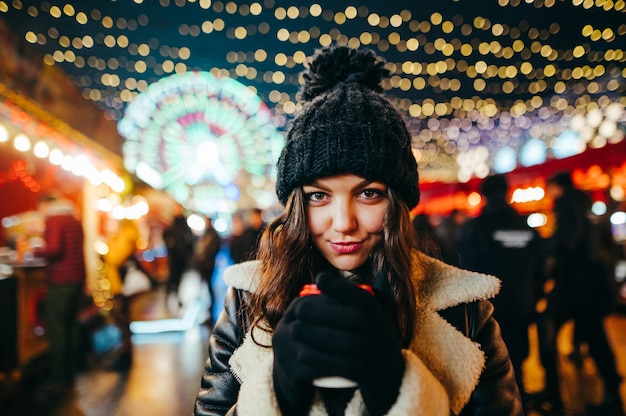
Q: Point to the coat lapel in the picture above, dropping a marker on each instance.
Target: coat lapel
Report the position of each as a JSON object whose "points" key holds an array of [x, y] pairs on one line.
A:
{"points": [[454, 359]]}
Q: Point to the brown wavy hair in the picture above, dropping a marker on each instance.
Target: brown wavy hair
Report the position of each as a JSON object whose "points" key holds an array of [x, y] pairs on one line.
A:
{"points": [[289, 260]]}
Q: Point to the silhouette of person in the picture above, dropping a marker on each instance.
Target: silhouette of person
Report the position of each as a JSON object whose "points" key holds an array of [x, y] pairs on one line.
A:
{"points": [[427, 239], [122, 247], [243, 246], [500, 242], [576, 292], [206, 249], [65, 274], [179, 241], [447, 233]]}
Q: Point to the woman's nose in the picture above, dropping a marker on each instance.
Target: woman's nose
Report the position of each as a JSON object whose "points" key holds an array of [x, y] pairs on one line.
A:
{"points": [[344, 218]]}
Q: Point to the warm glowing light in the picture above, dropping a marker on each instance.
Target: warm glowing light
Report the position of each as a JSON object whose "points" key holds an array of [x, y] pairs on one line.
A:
{"points": [[522, 195], [536, 220], [196, 223], [56, 157], [104, 205], [474, 199], [118, 212], [22, 143], [41, 150], [4, 135], [101, 247], [617, 193], [68, 162]]}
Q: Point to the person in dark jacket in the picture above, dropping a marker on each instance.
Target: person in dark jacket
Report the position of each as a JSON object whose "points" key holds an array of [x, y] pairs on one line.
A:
{"points": [[206, 248], [244, 246], [579, 293], [500, 242], [65, 276], [384, 329], [179, 241], [427, 241]]}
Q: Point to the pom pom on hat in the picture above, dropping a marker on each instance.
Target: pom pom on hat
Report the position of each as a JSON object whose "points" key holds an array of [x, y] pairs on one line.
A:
{"points": [[330, 67], [347, 126]]}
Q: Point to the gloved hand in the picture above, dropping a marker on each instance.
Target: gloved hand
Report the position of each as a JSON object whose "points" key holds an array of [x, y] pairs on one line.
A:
{"points": [[366, 345], [297, 361], [342, 332]]}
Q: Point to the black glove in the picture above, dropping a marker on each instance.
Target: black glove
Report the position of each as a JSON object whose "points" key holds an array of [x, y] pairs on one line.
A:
{"points": [[296, 361], [342, 332], [366, 345]]}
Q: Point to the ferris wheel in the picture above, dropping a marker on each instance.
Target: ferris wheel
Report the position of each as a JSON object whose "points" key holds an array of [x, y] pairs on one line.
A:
{"points": [[210, 142]]}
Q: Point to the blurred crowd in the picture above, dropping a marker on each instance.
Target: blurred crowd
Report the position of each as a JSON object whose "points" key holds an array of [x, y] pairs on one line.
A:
{"points": [[546, 282]]}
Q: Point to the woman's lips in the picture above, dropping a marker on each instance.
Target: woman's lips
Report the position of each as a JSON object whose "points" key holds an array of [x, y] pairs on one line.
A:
{"points": [[345, 248]]}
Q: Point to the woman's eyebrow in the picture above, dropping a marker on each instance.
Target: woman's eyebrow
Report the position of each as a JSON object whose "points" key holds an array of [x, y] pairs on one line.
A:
{"points": [[364, 183]]}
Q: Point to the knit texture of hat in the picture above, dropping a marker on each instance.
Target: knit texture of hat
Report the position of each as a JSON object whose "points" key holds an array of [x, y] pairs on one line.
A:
{"points": [[347, 126]]}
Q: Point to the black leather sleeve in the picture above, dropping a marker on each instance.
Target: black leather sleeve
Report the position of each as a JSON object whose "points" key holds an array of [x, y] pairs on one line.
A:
{"points": [[497, 393], [219, 387]]}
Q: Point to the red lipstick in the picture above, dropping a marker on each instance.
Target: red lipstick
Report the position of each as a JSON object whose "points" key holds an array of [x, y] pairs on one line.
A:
{"points": [[345, 248]]}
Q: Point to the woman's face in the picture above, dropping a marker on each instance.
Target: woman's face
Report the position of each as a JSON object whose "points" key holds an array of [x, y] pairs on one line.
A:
{"points": [[345, 214]]}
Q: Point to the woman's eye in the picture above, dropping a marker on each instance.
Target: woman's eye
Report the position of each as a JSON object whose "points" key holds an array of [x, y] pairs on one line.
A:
{"points": [[315, 196], [371, 193]]}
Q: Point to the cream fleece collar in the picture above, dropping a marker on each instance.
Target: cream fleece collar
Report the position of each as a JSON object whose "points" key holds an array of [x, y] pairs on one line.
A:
{"points": [[454, 360]]}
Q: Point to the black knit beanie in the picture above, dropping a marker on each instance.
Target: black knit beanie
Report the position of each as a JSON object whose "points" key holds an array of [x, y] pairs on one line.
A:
{"points": [[347, 126]]}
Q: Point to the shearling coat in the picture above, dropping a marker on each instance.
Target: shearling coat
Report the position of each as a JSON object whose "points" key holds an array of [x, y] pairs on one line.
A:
{"points": [[454, 365]]}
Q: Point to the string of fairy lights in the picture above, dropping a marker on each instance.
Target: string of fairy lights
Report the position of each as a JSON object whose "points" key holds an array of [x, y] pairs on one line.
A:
{"points": [[489, 87]]}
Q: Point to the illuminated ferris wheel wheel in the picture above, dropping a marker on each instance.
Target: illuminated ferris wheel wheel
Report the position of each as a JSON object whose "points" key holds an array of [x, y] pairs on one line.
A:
{"points": [[209, 142]]}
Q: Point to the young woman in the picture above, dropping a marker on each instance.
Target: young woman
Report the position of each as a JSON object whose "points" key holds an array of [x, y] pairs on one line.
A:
{"points": [[421, 340]]}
